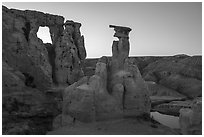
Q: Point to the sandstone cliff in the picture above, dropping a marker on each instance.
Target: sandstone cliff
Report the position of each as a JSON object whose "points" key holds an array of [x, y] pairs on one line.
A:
{"points": [[31, 67]]}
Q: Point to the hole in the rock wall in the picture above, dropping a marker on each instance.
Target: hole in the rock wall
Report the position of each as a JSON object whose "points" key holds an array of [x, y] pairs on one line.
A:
{"points": [[115, 39], [44, 34], [74, 120], [29, 80]]}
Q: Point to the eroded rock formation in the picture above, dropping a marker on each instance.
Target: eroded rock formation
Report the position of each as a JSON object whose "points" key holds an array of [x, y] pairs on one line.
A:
{"points": [[125, 76], [21, 47], [169, 79], [179, 73], [70, 52], [31, 68], [116, 90], [24, 51]]}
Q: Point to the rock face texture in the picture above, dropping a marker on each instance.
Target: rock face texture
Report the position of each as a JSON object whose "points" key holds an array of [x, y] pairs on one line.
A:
{"points": [[179, 73], [21, 48], [159, 90], [24, 51], [116, 90], [172, 107], [34, 75], [31, 68], [190, 119], [173, 81], [24, 106], [70, 52], [125, 76]]}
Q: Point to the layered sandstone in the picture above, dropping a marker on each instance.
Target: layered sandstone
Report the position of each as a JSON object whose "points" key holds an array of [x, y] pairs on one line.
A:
{"points": [[116, 90], [30, 67], [24, 51], [70, 52]]}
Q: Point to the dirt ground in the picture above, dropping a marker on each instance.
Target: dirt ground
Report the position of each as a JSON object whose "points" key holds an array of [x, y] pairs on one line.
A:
{"points": [[128, 126]]}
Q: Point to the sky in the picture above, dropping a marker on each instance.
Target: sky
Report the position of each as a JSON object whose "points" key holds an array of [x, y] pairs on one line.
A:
{"points": [[157, 28]]}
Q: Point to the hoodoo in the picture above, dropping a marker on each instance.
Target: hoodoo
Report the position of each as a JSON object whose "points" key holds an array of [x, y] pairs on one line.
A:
{"points": [[117, 89]]}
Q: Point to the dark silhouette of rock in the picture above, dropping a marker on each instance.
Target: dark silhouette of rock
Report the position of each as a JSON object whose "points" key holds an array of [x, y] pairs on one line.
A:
{"points": [[121, 31]]}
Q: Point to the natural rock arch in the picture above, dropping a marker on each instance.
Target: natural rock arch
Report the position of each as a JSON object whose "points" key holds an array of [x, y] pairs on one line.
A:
{"points": [[32, 57], [44, 34]]}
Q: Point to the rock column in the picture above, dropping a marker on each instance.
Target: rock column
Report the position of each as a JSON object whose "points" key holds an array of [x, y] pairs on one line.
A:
{"points": [[67, 62], [125, 79], [117, 89]]}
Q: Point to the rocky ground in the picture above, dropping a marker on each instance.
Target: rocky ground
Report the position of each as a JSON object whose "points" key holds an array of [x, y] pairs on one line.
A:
{"points": [[131, 126]]}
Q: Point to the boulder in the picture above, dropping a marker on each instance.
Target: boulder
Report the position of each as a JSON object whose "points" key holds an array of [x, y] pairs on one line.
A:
{"points": [[172, 106], [88, 99], [106, 106], [136, 100], [190, 119]]}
